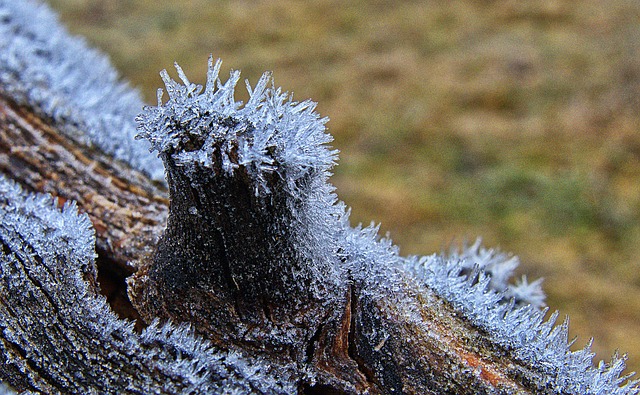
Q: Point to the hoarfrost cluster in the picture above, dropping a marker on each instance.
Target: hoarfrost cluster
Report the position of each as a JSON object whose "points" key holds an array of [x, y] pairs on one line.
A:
{"points": [[65, 80], [290, 138]]}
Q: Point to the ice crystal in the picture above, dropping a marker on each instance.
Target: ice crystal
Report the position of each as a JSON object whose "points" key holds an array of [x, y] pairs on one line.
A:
{"points": [[270, 133], [499, 268], [42, 66]]}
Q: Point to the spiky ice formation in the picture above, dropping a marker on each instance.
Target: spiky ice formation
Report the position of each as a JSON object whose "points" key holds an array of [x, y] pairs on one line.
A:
{"points": [[499, 268], [519, 328], [57, 75], [60, 336], [269, 134]]}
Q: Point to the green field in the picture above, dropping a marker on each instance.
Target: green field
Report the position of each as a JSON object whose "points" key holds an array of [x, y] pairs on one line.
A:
{"points": [[516, 121]]}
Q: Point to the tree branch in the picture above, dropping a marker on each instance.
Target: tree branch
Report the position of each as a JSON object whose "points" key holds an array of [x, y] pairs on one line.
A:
{"points": [[128, 211], [248, 276]]}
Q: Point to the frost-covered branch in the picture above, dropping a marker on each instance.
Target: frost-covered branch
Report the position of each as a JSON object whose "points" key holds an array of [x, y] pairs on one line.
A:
{"points": [[254, 222], [67, 83], [249, 278]]}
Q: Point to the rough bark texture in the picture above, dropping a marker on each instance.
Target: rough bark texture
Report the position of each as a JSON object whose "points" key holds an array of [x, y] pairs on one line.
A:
{"points": [[127, 210], [215, 259]]}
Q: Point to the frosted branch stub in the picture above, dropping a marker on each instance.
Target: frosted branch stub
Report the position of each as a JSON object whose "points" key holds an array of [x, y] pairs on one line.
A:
{"points": [[246, 255]]}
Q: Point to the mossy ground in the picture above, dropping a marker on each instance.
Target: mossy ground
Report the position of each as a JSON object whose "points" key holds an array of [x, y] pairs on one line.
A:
{"points": [[516, 121]]}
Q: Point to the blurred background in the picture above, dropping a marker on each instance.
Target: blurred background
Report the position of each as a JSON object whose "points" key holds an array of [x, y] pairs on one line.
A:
{"points": [[516, 121]]}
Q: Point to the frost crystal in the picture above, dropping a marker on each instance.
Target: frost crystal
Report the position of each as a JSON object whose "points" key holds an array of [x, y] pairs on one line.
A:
{"points": [[499, 268], [270, 133], [62, 79], [520, 328]]}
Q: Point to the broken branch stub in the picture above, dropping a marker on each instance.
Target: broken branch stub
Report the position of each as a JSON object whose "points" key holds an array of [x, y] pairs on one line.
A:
{"points": [[236, 257]]}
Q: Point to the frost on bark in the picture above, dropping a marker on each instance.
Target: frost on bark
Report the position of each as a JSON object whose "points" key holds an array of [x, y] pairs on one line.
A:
{"points": [[245, 275]]}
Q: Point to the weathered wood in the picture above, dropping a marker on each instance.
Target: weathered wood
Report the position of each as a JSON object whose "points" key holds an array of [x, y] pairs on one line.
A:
{"points": [[235, 261], [127, 210], [252, 249]]}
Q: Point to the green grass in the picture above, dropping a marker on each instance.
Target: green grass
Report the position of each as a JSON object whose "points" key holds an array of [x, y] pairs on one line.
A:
{"points": [[515, 121]]}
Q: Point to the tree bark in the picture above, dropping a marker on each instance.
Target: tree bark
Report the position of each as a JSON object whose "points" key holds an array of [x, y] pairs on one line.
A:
{"points": [[128, 211]]}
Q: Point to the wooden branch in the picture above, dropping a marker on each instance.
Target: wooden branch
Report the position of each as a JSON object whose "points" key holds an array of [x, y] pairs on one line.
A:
{"points": [[230, 262], [219, 267], [127, 217], [244, 275], [127, 210]]}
